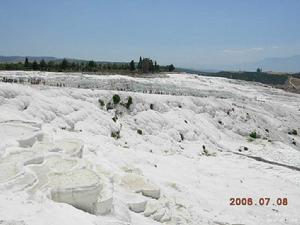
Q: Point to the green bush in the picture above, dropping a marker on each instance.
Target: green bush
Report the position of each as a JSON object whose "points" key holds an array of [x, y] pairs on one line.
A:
{"points": [[140, 132], [101, 102], [116, 99], [181, 136], [115, 134], [293, 132], [129, 102], [253, 134]]}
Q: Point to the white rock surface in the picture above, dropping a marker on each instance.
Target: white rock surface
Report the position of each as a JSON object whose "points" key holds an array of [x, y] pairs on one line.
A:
{"points": [[79, 188], [151, 207], [135, 202], [9, 171], [137, 183], [70, 147], [24, 157], [166, 166]]}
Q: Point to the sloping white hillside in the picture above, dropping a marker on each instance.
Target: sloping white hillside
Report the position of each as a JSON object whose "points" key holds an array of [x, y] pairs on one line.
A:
{"points": [[173, 157]]}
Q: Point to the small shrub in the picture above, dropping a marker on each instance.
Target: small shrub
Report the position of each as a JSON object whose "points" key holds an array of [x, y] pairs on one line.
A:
{"points": [[181, 136], [115, 118], [109, 106], [129, 102], [293, 132], [151, 106], [116, 99], [139, 131], [115, 134], [101, 102], [253, 134], [205, 152]]}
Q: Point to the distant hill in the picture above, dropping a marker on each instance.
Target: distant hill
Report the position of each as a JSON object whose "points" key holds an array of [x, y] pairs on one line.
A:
{"points": [[14, 59], [289, 64], [277, 64]]}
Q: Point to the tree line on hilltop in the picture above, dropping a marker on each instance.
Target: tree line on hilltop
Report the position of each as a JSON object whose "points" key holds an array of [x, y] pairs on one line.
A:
{"points": [[145, 65]]}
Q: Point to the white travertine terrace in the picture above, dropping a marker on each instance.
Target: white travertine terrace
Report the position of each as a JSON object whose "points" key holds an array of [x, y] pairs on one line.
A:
{"points": [[58, 159], [51, 166], [79, 188], [21, 132], [136, 203], [9, 171], [25, 157], [72, 148], [137, 183]]}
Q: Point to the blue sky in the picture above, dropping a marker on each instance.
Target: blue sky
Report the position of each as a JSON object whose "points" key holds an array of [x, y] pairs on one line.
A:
{"points": [[190, 33]]}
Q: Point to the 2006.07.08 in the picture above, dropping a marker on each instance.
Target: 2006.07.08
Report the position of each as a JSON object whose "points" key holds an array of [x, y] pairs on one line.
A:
{"points": [[260, 201]]}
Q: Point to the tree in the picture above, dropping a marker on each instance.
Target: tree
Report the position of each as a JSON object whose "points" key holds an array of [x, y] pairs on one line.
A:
{"points": [[26, 63], [64, 64], [139, 66], [91, 66], [35, 65], [43, 65], [74, 66], [50, 66], [114, 66], [171, 68], [156, 66], [146, 65], [259, 70], [151, 66], [116, 99], [132, 66]]}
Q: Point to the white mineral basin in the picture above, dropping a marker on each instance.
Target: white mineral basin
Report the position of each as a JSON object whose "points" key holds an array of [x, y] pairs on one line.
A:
{"points": [[79, 178]]}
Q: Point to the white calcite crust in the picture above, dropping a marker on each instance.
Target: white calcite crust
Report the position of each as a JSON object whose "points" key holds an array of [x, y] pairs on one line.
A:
{"points": [[138, 183], [25, 157], [135, 202], [70, 147], [79, 188], [60, 165], [104, 204], [9, 171]]}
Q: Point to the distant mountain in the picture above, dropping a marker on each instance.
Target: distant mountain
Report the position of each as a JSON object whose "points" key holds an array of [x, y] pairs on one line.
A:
{"points": [[13, 59], [196, 71], [287, 64]]}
